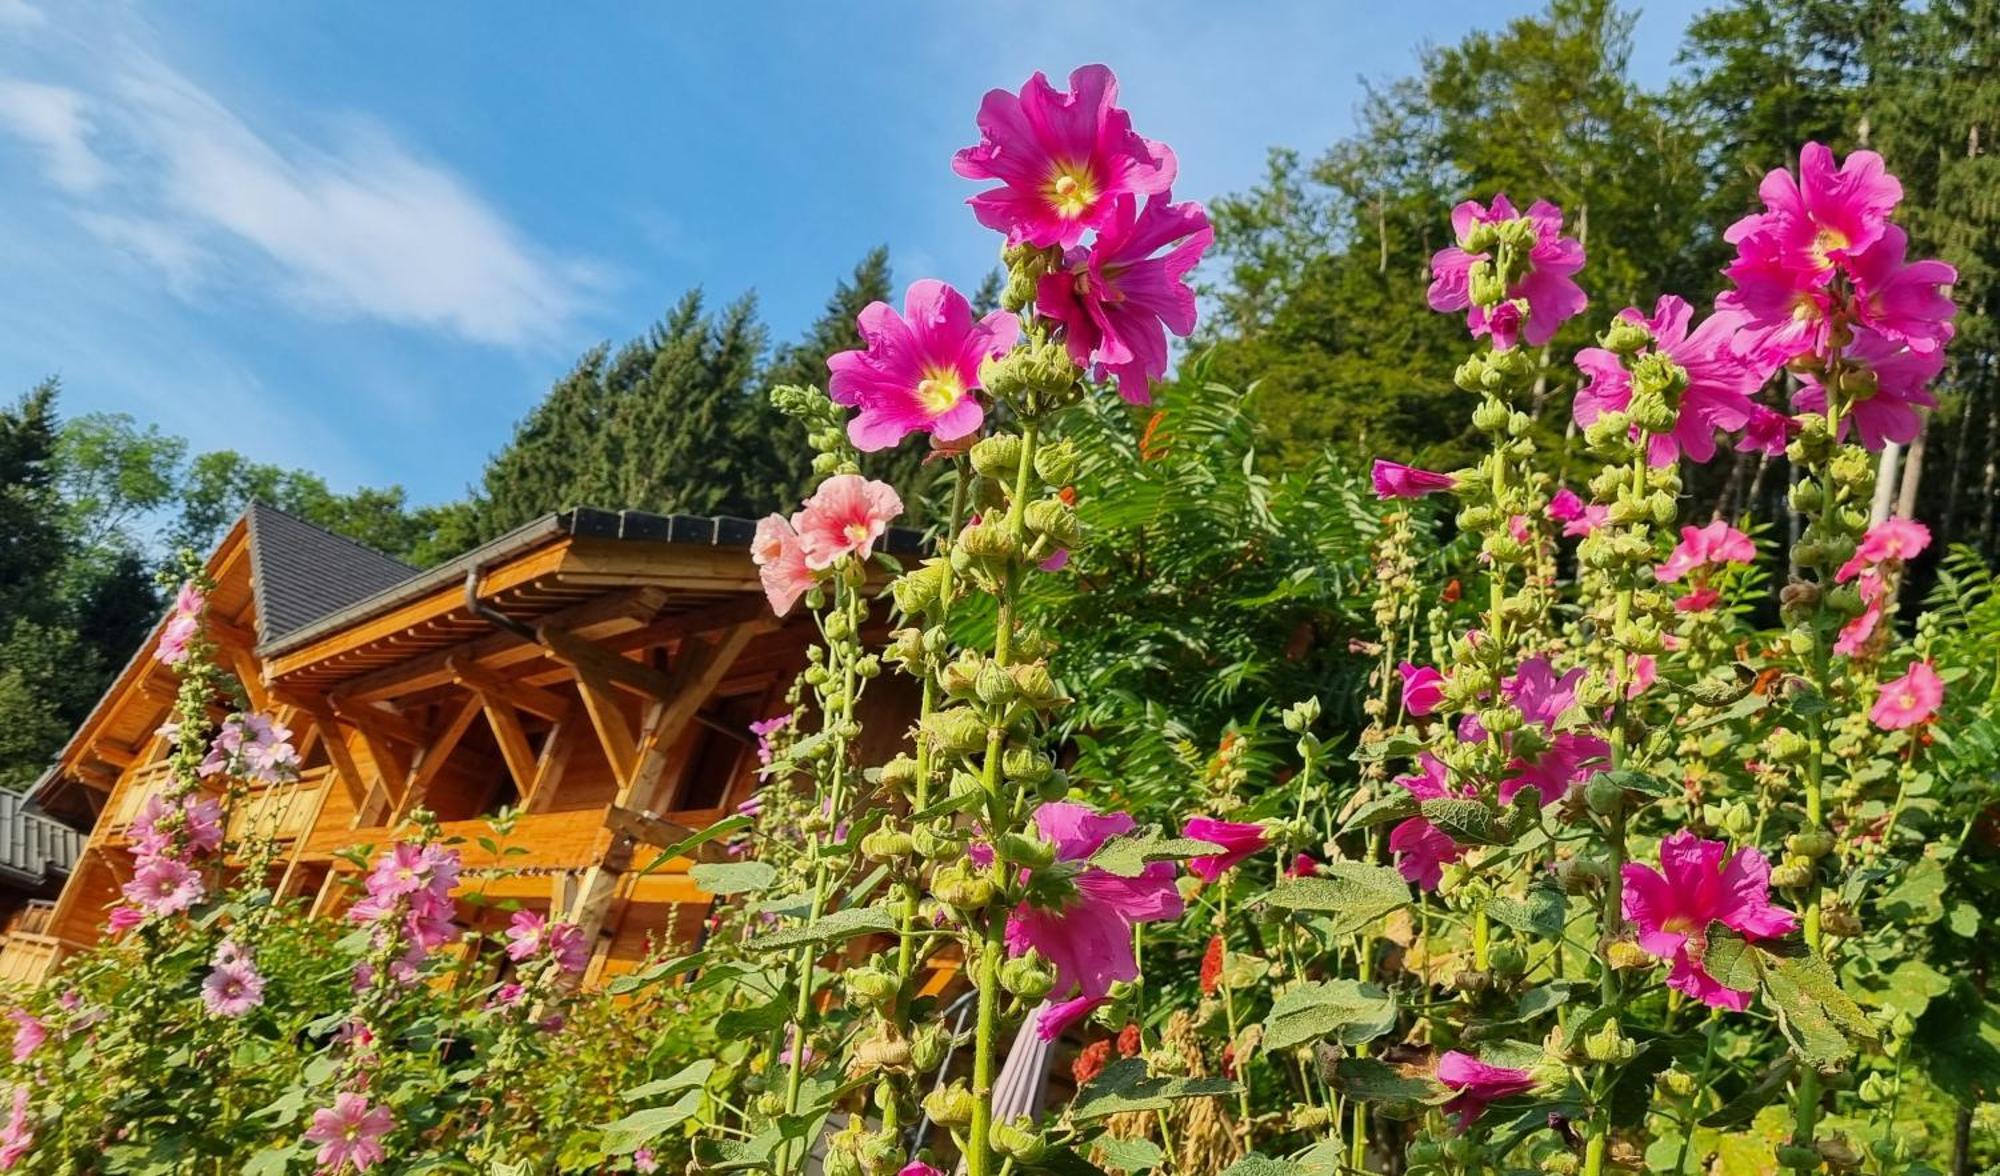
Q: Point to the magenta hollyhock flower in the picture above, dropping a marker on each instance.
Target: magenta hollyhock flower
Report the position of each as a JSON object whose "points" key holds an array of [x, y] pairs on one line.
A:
{"points": [[1423, 689], [350, 1133], [232, 989], [1908, 700], [1553, 297], [919, 1168], [1303, 866], [1903, 300], [1536, 691], [164, 886], [1393, 480], [781, 563], [1892, 395], [123, 919], [1825, 217], [1063, 159], [845, 516], [1421, 849], [1719, 381], [1673, 907], [1088, 939], [568, 947], [1477, 1084], [17, 1138], [1238, 840], [1768, 431], [1893, 540], [1565, 506], [1117, 300], [917, 370], [29, 1033]]}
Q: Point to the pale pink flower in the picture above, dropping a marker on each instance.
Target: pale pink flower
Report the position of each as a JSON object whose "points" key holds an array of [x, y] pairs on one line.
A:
{"points": [[1909, 700], [1063, 159], [29, 1033], [233, 989], [845, 516], [1393, 480], [1719, 382], [1887, 386], [1118, 299], [1855, 634], [350, 1133], [164, 886], [643, 1161], [1423, 689], [1477, 1084], [1673, 907], [175, 639], [1087, 938], [1237, 840], [1645, 669], [1553, 297], [17, 1138], [917, 370], [781, 563], [763, 729], [1701, 548]]}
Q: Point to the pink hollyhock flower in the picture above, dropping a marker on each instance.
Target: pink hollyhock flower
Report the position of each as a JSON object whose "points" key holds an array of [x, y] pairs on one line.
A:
{"points": [[1891, 396], [29, 1033], [1063, 159], [1400, 481], [1423, 689], [1421, 849], [1088, 939], [524, 935], [1565, 506], [175, 640], [1908, 700], [781, 563], [763, 729], [123, 919], [1645, 670], [1304, 866], [918, 369], [402, 869], [17, 1138], [1552, 296], [232, 989], [350, 1133], [1536, 691], [1893, 540], [1478, 1084], [1117, 300], [1673, 907], [1593, 517], [1570, 758], [1719, 382], [1715, 545], [845, 516], [568, 947], [1825, 217], [164, 886], [1238, 840], [1901, 301], [1786, 311], [919, 1168], [643, 1161], [1855, 634], [1767, 432]]}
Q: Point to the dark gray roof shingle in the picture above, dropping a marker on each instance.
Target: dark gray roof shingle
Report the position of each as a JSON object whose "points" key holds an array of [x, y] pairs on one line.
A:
{"points": [[301, 572]]}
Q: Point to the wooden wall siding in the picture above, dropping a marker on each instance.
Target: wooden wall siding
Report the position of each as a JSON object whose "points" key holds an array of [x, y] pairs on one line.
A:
{"points": [[618, 728]]}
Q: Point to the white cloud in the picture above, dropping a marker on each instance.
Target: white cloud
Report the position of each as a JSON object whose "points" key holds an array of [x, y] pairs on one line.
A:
{"points": [[21, 14], [52, 119], [349, 224]]}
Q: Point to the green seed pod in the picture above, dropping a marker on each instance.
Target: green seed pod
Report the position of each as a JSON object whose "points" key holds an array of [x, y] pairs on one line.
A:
{"points": [[1812, 844], [986, 542], [1025, 766], [1028, 977], [1678, 1082], [1470, 376], [1490, 416], [998, 456], [887, 845], [962, 888], [1806, 496], [929, 842], [960, 677], [928, 1046], [1035, 684], [1737, 819], [950, 1106], [1054, 518], [1626, 337], [1608, 1044], [959, 731], [867, 666], [1788, 746], [1056, 464], [1020, 1141], [871, 988], [1799, 1159], [1792, 875], [899, 775], [995, 686], [917, 591], [1507, 961]]}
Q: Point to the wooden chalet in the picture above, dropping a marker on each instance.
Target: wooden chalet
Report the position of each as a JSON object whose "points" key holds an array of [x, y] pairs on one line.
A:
{"points": [[597, 671]]}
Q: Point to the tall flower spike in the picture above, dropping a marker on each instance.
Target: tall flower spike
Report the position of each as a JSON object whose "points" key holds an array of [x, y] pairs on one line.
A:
{"points": [[1063, 159], [1674, 906], [1887, 388], [1719, 382], [1118, 299], [1546, 285], [919, 368]]}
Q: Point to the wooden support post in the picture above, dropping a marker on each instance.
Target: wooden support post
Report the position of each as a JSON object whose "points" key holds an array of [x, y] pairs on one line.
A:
{"points": [[247, 671], [431, 760], [550, 765], [390, 770], [607, 716], [698, 670], [533, 699], [513, 740]]}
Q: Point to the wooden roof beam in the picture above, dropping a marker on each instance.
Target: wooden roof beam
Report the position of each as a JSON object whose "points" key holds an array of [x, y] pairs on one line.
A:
{"points": [[516, 695]]}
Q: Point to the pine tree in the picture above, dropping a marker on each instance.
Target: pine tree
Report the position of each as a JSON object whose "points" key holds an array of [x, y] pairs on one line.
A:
{"points": [[32, 544]]}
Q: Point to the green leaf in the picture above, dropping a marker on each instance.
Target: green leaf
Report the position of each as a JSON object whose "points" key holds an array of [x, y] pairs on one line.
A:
{"points": [[1393, 747], [1541, 913], [1372, 1080], [1815, 1015], [1918, 897], [271, 1161], [1356, 894], [1381, 811], [1631, 1094], [1128, 856], [682, 848], [1348, 1010], [1128, 1155], [639, 1128], [834, 928], [1125, 1086], [1256, 1165], [721, 878], [1732, 961], [1466, 821], [1631, 781], [1766, 1088], [695, 1073]]}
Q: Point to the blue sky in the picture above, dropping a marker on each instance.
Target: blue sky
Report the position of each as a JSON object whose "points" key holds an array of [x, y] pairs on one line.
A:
{"points": [[364, 238]]}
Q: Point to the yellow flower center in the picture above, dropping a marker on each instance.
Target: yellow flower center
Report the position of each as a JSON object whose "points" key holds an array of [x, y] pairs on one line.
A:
{"points": [[940, 392], [1907, 700], [1678, 925], [856, 533], [1826, 241], [1072, 190]]}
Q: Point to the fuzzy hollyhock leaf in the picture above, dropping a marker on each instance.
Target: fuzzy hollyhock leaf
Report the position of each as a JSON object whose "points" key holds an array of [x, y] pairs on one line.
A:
{"points": [[1541, 913], [1356, 894], [835, 928], [1125, 1086], [1129, 855], [1350, 1011]]}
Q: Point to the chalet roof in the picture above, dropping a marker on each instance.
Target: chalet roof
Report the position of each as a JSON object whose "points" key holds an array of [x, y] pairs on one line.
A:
{"points": [[301, 572], [32, 846]]}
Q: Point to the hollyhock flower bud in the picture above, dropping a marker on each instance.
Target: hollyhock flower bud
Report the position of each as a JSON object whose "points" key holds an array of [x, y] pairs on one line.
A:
{"points": [[1056, 465], [958, 731], [994, 686], [887, 845], [1025, 766], [967, 890], [919, 590], [997, 457], [1028, 977], [1476, 1085], [870, 987], [1035, 684], [950, 1106], [1054, 518], [928, 1047], [1020, 1141]]}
